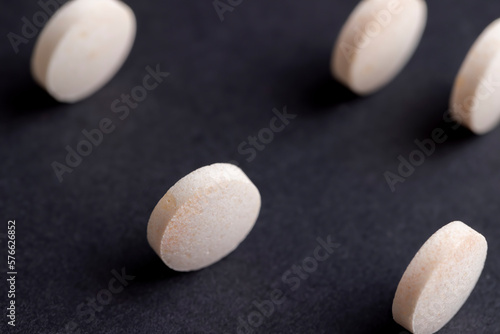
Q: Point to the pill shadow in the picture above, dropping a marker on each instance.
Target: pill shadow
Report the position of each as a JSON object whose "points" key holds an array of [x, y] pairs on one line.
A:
{"points": [[26, 98], [310, 85], [327, 93], [431, 119], [440, 118], [456, 135], [374, 315], [151, 268], [379, 324], [391, 327]]}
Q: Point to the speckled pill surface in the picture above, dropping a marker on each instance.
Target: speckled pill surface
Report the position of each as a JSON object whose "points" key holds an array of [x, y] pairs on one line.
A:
{"points": [[82, 47], [203, 217], [376, 42], [475, 100], [440, 278]]}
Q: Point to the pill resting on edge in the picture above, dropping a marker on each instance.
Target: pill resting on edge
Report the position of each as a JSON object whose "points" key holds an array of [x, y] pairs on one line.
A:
{"points": [[82, 47], [376, 42], [475, 101], [440, 278], [203, 217]]}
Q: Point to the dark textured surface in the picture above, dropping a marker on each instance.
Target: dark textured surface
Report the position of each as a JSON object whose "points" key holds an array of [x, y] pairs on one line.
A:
{"points": [[321, 176]]}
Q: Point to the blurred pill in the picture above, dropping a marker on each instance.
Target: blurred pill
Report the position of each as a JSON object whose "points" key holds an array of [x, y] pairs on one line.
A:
{"points": [[376, 42], [475, 101], [82, 47]]}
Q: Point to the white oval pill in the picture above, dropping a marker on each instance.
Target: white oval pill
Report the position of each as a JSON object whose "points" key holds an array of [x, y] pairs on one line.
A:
{"points": [[203, 217], [82, 47], [376, 42], [440, 278], [475, 100]]}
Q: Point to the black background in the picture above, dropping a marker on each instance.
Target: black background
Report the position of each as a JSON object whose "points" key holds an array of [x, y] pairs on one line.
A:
{"points": [[323, 175]]}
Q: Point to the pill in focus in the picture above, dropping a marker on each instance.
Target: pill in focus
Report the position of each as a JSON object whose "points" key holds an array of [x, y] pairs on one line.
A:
{"points": [[203, 217], [440, 278]]}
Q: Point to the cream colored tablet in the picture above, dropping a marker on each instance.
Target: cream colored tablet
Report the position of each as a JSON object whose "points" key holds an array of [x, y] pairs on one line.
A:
{"points": [[82, 47], [203, 217], [376, 42], [439, 279], [475, 101]]}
